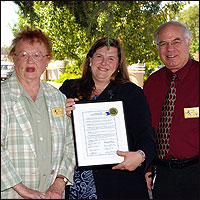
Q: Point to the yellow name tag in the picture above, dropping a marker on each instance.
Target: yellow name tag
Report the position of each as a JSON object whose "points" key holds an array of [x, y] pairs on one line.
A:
{"points": [[191, 112], [57, 112]]}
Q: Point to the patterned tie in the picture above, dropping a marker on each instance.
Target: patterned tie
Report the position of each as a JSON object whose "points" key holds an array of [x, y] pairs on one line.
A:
{"points": [[163, 132]]}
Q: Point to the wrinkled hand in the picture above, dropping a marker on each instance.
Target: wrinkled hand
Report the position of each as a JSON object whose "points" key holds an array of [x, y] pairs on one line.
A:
{"points": [[56, 190], [69, 106], [28, 193], [53, 193], [148, 180], [131, 160]]}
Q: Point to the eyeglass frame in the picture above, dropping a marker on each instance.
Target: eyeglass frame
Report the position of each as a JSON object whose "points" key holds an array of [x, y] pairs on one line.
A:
{"points": [[39, 53], [173, 43]]}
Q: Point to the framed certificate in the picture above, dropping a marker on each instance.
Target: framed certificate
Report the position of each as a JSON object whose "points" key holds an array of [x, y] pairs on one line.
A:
{"points": [[99, 131]]}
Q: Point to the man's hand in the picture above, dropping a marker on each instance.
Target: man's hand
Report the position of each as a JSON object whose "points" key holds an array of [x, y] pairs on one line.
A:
{"points": [[148, 180], [131, 160], [28, 193]]}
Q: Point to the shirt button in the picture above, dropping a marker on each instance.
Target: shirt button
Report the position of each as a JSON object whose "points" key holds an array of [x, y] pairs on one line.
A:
{"points": [[38, 121], [43, 156], [41, 138]]}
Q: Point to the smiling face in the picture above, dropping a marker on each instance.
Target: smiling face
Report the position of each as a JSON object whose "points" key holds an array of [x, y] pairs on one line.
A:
{"points": [[30, 69], [104, 63], [173, 57]]}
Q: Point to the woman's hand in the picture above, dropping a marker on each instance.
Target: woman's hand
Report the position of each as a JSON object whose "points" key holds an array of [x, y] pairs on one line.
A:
{"points": [[28, 193], [56, 190], [131, 160], [69, 106]]}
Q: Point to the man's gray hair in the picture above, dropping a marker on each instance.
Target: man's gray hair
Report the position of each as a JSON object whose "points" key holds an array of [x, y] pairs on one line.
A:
{"points": [[156, 34]]}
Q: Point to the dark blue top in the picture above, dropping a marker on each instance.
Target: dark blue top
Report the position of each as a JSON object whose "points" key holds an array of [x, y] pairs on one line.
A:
{"points": [[113, 184]]}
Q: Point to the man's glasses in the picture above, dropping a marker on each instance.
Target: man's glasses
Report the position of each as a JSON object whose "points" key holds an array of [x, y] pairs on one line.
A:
{"points": [[37, 56], [174, 43]]}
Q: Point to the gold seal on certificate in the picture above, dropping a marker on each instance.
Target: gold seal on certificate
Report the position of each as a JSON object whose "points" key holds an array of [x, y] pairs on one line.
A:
{"points": [[113, 111]]}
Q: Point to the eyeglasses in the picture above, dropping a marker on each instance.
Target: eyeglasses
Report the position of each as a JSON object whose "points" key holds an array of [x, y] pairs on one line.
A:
{"points": [[174, 43], [37, 56]]}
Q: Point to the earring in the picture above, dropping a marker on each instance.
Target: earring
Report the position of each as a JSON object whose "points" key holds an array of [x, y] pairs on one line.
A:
{"points": [[90, 64]]}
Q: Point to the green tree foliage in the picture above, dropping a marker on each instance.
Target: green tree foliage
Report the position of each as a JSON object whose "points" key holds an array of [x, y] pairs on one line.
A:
{"points": [[74, 25], [68, 38], [190, 17]]}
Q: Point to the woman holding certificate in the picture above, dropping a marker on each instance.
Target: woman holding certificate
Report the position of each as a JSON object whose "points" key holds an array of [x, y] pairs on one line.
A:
{"points": [[105, 77]]}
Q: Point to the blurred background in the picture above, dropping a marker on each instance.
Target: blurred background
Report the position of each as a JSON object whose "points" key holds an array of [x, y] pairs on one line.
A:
{"points": [[73, 26]]}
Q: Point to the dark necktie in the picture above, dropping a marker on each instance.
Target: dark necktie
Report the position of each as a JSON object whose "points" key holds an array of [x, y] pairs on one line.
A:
{"points": [[163, 131]]}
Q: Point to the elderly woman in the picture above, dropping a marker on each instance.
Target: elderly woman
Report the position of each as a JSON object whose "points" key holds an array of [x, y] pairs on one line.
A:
{"points": [[37, 153], [105, 77]]}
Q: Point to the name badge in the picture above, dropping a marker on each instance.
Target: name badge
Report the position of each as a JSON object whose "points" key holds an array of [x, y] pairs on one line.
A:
{"points": [[57, 112], [191, 112]]}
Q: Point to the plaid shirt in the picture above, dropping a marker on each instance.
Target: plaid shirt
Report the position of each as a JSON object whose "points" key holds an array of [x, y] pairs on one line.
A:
{"points": [[18, 154]]}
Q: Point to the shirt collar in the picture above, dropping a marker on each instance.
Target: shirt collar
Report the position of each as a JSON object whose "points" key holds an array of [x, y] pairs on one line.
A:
{"points": [[181, 72], [25, 93]]}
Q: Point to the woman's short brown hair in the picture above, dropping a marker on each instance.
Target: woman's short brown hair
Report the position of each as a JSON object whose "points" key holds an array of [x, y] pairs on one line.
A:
{"points": [[32, 35]]}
